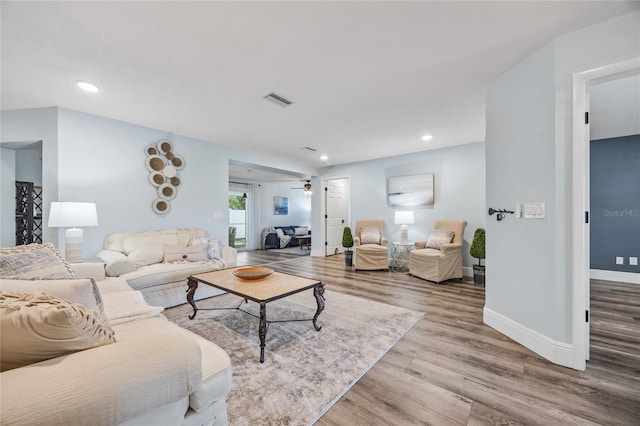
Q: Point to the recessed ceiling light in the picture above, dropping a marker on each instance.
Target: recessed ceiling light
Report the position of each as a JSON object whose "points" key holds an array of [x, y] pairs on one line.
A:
{"points": [[88, 87], [427, 137], [324, 157]]}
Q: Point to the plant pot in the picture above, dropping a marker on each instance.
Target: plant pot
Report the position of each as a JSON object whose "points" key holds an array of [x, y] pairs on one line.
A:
{"points": [[348, 258], [478, 274]]}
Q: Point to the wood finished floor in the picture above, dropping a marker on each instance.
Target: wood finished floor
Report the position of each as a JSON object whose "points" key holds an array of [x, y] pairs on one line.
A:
{"points": [[451, 369]]}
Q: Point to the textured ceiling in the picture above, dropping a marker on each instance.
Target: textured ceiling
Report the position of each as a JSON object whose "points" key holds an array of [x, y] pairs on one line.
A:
{"points": [[367, 79]]}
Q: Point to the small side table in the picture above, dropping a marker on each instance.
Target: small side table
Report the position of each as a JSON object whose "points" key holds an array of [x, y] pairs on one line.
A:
{"points": [[400, 256]]}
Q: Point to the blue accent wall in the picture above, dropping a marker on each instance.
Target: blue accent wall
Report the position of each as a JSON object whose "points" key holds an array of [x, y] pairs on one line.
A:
{"points": [[615, 202]]}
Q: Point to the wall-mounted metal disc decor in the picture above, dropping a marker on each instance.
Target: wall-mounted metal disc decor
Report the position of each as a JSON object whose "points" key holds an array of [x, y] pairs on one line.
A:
{"points": [[163, 165]]}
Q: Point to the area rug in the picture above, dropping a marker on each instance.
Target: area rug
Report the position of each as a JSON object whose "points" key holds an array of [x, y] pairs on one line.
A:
{"points": [[305, 371], [292, 250]]}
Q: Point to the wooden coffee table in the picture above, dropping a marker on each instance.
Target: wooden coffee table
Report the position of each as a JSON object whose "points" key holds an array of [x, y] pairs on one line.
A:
{"points": [[273, 287]]}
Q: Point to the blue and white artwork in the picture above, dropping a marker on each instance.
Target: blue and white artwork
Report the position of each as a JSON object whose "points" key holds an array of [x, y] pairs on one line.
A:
{"points": [[408, 191], [280, 205]]}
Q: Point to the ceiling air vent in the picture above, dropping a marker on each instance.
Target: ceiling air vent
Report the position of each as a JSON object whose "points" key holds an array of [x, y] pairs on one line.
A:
{"points": [[309, 149], [282, 101]]}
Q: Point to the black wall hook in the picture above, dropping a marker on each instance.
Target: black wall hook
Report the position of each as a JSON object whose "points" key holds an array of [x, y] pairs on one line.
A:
{"points": [[500, 213]]}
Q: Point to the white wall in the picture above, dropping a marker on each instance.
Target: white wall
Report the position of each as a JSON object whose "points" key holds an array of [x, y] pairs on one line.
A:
{"points": [[29, 165], [529, 155], [459, 190], [7, 197], [96, 159], [299, 205], [615, 108]]}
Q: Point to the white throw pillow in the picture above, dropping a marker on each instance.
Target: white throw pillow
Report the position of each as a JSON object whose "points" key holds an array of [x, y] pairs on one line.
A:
{"points": [[439, 237], [37, 327], [369, 235], [301, 231], [196, 253], [279, 233]]}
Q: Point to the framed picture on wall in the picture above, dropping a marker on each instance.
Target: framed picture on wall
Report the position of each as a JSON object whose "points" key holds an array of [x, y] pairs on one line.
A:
{"points": [[413, 190], [280, 205]]}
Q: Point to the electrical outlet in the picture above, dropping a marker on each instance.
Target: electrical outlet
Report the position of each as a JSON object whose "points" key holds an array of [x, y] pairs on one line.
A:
{"points": [[619, 260], [633, 261]]}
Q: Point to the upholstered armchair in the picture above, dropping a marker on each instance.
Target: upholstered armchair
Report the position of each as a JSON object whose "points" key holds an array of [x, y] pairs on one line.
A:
{"points": [[371, 252], [440, 258]]}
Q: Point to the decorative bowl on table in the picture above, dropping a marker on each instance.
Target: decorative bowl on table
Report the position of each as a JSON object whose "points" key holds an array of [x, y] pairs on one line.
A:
{"points": [[253, 272]]}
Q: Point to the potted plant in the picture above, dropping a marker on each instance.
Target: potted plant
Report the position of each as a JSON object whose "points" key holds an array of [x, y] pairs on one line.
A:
{"points": [[347, 243], [477, 251]]}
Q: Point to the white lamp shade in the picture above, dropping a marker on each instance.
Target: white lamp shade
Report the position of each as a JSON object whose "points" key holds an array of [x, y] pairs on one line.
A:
{"points": [[403, 218], [67, 215]]}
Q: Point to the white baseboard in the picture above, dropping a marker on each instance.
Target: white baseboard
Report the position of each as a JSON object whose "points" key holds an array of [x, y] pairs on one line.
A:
{"points": [[623, 277], [467, 271], [557, 352]]}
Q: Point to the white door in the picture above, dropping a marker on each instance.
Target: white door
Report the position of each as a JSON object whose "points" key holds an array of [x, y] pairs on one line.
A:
{"points": [[335, 216]]}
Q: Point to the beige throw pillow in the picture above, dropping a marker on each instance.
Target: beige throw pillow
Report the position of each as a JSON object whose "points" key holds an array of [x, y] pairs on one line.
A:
{"points": [[37, 327], [34, 261], [439, 237], [369, 235], [196, 253]]}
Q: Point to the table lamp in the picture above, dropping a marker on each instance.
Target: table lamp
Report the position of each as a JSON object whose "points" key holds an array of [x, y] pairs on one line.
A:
{"points": [[71, 215], [404, 218]]}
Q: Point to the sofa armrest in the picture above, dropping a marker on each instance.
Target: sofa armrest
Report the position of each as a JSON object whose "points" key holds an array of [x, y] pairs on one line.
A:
{"points": [[271, 240], [421, 245], [116, 263], [105, 385], [448, 249]]}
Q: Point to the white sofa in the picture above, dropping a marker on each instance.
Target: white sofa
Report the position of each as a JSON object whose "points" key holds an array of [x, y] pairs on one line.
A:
{"points": [[140, 259], [154, 373]]}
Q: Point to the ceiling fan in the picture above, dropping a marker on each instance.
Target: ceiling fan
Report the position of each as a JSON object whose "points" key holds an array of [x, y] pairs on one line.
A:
{"points": [[306, 187]]}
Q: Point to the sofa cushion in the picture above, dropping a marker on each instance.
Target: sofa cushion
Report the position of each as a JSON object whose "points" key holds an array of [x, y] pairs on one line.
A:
{"points": [[116, 263], [215, 245], [165, 273], [197, 253], [36, 327], [148, 249], [439, 237], [34, 261], [216, 375]]}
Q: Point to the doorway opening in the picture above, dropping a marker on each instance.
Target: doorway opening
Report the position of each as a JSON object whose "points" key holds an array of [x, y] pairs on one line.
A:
{"points": [[581, 201], [238, 220]]}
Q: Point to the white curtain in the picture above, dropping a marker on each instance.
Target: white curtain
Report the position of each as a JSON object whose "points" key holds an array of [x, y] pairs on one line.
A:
{"points": [[253, 217]]}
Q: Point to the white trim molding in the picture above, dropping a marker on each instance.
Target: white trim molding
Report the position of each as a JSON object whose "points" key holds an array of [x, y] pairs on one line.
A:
{"points": [[467, 271], [557, 352], [623, 277]]}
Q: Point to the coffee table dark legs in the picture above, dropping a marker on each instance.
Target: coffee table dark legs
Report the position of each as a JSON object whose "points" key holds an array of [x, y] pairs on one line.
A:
{"points": [[318, 292], [193, 285], [262, 329]]}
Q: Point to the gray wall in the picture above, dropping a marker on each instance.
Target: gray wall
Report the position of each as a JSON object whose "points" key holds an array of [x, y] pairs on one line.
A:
{"points": [[615, 202], [529, 158], [299, 205]]}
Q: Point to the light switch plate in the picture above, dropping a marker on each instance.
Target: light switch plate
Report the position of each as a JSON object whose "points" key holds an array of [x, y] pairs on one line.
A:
{"points": [[619, 260], [633, 261], [535, 210]]}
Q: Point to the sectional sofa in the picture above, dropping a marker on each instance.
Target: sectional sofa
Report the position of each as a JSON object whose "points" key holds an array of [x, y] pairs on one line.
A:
{"points": [[283, 236], [79, 347]]}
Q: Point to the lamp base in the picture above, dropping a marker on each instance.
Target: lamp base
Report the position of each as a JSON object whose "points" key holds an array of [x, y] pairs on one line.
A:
{"points": [[73, 245], [404, 234]]}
